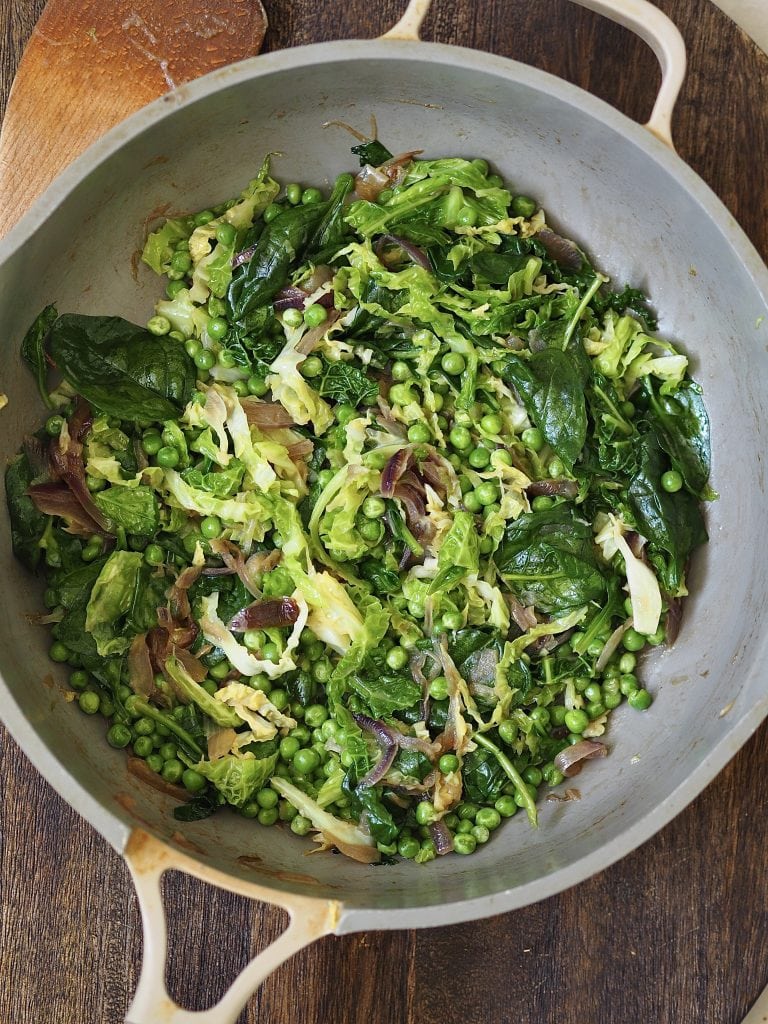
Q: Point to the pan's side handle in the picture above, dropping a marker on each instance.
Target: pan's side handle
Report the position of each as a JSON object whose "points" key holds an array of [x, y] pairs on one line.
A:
{"points": [[148, 859], [639, 16]]}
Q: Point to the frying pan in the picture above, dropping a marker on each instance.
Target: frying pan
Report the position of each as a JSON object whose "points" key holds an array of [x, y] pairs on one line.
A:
{"points": [[617, 187]]}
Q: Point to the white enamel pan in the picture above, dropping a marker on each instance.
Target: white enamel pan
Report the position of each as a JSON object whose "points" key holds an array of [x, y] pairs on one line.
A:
{"points": [[622, 191]]}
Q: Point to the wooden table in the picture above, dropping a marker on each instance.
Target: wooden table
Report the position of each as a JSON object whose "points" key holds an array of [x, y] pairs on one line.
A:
{"points": [[676, 933]]}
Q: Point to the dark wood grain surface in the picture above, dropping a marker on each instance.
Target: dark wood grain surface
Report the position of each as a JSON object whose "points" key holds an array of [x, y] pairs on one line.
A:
{"points": [[676, 933]]}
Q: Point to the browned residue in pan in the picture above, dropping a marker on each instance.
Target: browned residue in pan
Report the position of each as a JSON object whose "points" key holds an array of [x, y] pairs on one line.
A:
{"points": [[187, 844], [282, 876]]}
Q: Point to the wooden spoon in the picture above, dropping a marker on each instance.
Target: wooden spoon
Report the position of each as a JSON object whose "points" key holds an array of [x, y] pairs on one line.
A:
{"points": [[90, 64]]}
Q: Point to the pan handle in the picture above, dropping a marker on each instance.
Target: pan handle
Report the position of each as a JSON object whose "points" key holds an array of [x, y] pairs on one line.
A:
{"points": [[639, 16], [148, 859]]}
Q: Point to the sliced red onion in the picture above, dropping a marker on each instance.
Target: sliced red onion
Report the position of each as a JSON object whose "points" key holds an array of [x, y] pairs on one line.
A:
{"points": [[264, 561], [560, 488], [265, 415], [413, 252], [441, 837], [313, 337], [568, 761], [194, 667], [233, 558], [561, 250], [523, 617], [56, 499], [291, 297], [177, 595], [68, 465], [244, 256], [218, 570], [382, 766], [371, 182], [80, 421], [673, 621], [275, 613], [393, 470]]}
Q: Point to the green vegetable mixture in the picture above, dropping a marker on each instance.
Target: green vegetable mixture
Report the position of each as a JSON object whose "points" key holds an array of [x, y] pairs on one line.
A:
{"points": [[363, 533]]}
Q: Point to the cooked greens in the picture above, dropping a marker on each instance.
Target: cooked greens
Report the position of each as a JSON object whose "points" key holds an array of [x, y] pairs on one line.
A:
{"points": [[362, 533]]}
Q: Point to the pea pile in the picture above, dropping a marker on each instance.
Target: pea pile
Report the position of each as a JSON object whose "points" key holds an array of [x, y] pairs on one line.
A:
{"points": [[364, 531]]}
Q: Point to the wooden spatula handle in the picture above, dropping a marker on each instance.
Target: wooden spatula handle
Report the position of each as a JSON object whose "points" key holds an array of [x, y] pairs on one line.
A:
{"points": [[90, 64]]}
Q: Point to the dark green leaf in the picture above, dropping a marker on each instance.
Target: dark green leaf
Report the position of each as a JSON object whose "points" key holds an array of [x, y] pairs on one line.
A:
{"points": [[373, 153], [497, 267], [332, 229], [201, 806], [484, 778], [122, 369], [302, 688], [548, 559], [366, 801], [73, 586], [281, 246], [33, 350], [552, 391], [672, 523], [412, 764], [27, 524], [446, 579], [682, 426], [383, 581], [383, 690]]}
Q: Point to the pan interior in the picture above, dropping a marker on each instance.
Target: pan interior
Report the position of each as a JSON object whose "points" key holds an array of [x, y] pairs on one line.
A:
{"points": [[646, 221]]}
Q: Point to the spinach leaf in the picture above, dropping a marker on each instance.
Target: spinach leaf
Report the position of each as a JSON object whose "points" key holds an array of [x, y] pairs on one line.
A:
{"points": [[72, 631], [123, 602], [615, 434], [344, 382], [497, 267], [73, 586], [548, 559], [201, 806], [552, 390], [373, 153], [672, 523], [484, 778], [122, 369], [332, 229], [682, 427], [365, 801], [384, 581], [383, 690], [33, 350], [27, 524], [133, 508], [281, 245], [465, 642], [302, 688], [412, 764]]}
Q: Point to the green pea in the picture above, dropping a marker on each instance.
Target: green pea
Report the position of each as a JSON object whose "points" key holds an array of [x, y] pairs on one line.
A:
{"points": [[293, 318], [53, 425], [460, 438], [172, 771], [419, 433], [181, 262], [89, 702], [408, 847], [464, 844], [576, 720], [452, 620], [640, 700], [481, 834], [119, 736], [301, 825], [438, 688], [217, 328], [142, 746], [488, 817], [552, 776], [272, 211], [542, 502], [532, 775], [425, 812], [540, 716], [210, 527], [250, 810], [492, 423], [523, 206], [325, 476], [203, 218], [267, 798], [280, 699], [151, 443], [289, 747], [78, 680], [173, 288], [448, 763], [204, 359], [595, 709], [487, 493], [479, 458], [106, 707], [155, 762], [95, 483], [210, 686], [464, 828], [466, 217], [316, 715], [400, 371], [453, 363], [632, 640], [627, 662], [311, 196], [472, 503], [321, 670], [143, 726], [305, 761], [58, 651], [311, 367], [611, 700], [226, 233], [345, 414], [671, 481], [486, 545], [374, 507], [533, 438], [270, 652], [508, 731], [315, 314], [506, 807], [416, 608], [154, 554], [520, 799], [91, 551], [555, 468], [168, 457], [593, 691], [257, 387], [267, 816], [168, 751], [654, 639], [158, 325]]}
